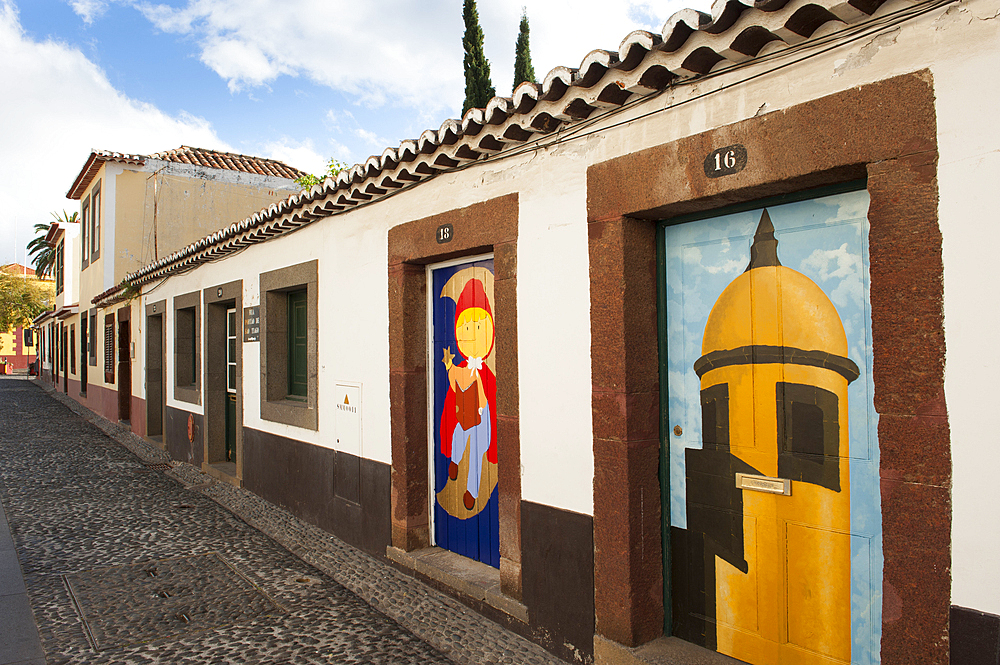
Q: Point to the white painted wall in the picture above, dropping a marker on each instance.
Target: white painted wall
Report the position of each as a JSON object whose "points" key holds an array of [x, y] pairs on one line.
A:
{"points": [[108, 203], [969, 168], [960, 46], [71, 265]]}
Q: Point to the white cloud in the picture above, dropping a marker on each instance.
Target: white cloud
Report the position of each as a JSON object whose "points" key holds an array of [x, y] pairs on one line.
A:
{"points": [[242, 63], [341, 152], [842, 266], [302, 155], [730, 267], [371, 138], [61, 105], [88, 10], [396, 52], [376, 52]]}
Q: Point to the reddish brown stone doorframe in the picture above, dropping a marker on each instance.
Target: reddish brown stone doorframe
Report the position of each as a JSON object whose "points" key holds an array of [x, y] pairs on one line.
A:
{"points": [[884, 132], [490, 226]]}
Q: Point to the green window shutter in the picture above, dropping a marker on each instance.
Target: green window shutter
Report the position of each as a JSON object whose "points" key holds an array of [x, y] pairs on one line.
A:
{"points": [[298, 382]]}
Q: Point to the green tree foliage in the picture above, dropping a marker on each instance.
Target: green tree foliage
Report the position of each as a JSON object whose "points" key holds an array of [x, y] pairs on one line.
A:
{"points": [[478, 86], [333, 168], [43, 257], [22, 299], [523, 70]]}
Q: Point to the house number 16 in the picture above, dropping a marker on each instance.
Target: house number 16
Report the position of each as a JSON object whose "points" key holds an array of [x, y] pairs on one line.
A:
{"points": [[726, 161]]}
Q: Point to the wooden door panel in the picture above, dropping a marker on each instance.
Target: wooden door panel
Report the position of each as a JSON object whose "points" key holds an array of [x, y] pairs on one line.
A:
{"points": [[769, 373], [465, 501]]}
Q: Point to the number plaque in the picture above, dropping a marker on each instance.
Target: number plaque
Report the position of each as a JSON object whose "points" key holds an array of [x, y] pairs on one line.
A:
{"points": [[726, 161], [445, 233]]}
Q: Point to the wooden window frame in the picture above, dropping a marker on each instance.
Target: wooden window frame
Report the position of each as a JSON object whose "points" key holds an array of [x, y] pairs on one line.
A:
{"points": [[275, 404], [85, 231], [110, 344], [297, 390], [95, 220], [187, 347]]}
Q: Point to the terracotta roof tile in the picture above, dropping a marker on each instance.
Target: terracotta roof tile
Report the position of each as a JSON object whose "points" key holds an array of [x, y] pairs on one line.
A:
{"points": [[229, 161], [692, 45], [184, 155]]}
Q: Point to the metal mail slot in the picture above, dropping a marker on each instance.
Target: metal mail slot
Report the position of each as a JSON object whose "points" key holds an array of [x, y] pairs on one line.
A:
{"points": [[747, 481]]}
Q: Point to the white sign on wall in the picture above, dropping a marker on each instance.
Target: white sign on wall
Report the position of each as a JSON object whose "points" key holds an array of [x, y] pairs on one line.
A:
{"points": [[348, 417]]}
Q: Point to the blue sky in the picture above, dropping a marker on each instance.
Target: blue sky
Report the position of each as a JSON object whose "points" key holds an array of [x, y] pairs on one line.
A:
{"points": [[296, 80]]}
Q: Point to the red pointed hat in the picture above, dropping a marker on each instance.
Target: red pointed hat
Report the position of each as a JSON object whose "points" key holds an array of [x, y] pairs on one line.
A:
{"points": [[473, 295]]}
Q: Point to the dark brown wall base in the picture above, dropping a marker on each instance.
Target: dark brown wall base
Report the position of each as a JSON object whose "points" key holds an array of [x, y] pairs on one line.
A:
{"points": [[975, 637], [102, 401], [138, 416], [557, 564], [176, 437], [340, 493]]}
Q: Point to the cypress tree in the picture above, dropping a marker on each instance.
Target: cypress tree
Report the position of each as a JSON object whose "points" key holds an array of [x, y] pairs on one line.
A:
{"points": [[523, 70], [478, 86]]}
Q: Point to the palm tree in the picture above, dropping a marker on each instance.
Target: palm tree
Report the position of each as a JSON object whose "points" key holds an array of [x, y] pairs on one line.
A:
{"points": [[42, 255]]}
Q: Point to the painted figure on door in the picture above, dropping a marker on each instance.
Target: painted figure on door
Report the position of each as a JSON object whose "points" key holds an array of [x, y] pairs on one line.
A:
{"points": [[775, 569], [464, 451], [468, 421]]}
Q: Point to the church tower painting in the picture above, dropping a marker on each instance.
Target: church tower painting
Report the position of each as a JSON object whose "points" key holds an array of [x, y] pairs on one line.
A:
{"points": [[763, 567]]}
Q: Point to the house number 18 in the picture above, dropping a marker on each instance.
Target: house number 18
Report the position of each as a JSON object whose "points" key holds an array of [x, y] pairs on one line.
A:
{"points": [[445, 232]]}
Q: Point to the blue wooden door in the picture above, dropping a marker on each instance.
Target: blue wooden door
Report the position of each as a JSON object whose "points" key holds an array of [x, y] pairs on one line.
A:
{"points": [[466, 517]]}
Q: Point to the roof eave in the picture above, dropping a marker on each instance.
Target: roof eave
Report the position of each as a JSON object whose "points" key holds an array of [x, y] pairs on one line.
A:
{"points": [[52, 235], [84, 177]]}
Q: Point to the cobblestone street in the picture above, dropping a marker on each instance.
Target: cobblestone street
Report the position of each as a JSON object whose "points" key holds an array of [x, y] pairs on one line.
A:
{"points": [[130, 559]]}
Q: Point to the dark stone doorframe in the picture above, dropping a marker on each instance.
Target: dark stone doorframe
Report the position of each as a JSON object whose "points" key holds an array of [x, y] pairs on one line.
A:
{"points": [[65, 356], [490, 226], [884, 132], [218, 299], [84, 342], [156, 344], [124, 363]]}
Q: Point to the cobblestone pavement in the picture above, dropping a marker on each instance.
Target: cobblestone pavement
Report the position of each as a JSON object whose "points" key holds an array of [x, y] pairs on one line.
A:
{"points": [[129, 559]]}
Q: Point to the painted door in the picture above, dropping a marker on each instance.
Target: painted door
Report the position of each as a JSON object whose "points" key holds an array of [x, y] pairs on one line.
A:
{"points": [[231, 349], [124, 370], [775, 524], [464, 451], [83, 354]]}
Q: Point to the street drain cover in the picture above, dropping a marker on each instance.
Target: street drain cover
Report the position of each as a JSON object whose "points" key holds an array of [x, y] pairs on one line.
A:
{"points": [[153, 600]]}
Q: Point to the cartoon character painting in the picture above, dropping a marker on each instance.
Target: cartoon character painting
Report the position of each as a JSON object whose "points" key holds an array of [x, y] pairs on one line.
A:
{"points": [[468, 420], [466, 516]]}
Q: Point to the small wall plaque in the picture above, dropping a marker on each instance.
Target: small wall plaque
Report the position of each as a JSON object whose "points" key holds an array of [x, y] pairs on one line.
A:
{"points": [[747, 481], [726, 161], [251, 324], [445, 233]]}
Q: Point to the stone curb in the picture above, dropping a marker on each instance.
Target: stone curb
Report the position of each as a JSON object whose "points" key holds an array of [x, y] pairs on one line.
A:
{"points": [[464, 636]]}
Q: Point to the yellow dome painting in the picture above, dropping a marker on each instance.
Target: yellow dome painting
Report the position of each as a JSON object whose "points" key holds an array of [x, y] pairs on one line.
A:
{"points": [[766, 544]]}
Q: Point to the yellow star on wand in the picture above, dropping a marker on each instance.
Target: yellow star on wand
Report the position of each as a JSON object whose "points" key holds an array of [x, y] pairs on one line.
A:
{"points": [[448, 357]]}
